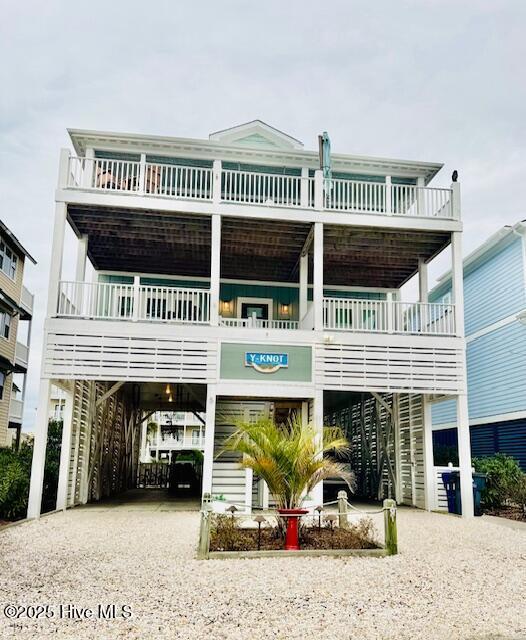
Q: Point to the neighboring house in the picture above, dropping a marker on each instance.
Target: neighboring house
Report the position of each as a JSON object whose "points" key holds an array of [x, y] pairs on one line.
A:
{"points": [[233, 279], [176, 431], [16, 307], [57, 404], [495, 323]]}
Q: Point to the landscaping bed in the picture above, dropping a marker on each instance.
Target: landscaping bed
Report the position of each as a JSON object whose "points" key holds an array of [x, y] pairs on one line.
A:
{"points": [[511, 512]]}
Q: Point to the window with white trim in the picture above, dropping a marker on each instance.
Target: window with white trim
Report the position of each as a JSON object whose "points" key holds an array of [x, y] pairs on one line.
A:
{"points": [[8, 260], [2, 383], [5, 324]]}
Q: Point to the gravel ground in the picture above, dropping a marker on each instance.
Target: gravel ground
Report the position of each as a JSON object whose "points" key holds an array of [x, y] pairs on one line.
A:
{"points": [[452, 579]]}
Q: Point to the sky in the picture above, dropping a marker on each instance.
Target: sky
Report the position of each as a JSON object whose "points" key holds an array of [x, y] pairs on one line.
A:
{"points": [[425, 80]]}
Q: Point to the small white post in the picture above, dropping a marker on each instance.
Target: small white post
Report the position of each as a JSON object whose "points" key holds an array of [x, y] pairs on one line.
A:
{"points": [[57, 251], [388, 196], [136, 298], [39, 450], [420, 201], [455, 200], [390, 311], [89, 168], [63, 169], [304, 188], [457, 282], [304, 286], [464, 456], [249, 478], [215, 269], [65, 452], [423, 294], [216, 181], [318, 276], [429, 465], [142, 175], [318, 190], [210, 419], [317, 493]]}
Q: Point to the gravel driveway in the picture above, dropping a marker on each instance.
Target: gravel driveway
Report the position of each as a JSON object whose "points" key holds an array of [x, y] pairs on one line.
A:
{"points": [[453, 579]]}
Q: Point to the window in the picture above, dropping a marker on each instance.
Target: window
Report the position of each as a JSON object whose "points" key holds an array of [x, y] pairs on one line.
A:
{"points": [[5, 324], [8, 260], [2, 382]]}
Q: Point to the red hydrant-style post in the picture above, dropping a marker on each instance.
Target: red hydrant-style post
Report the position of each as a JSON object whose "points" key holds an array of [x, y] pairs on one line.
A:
{"points": [[291, 537]]}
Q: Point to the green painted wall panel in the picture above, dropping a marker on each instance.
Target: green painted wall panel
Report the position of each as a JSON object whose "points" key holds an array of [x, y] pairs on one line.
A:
{"points": [[233, 363]]}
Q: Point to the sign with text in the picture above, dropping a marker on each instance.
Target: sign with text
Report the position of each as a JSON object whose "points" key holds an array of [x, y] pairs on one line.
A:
{"points": [[266, 362]]}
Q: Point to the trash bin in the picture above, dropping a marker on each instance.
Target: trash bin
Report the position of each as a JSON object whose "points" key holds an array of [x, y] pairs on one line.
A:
{"points": [[451, 480], [479, 483]]}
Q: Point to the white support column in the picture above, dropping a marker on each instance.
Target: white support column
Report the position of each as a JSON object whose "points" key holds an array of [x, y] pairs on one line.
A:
{"points": [[318, 276], [423, 289], [57, 251], [429, 466], [455, 200], [142, 174], [39, 450], [136, 298], [464, 456], [215, 269], [317, 493], [420, 202], [65, 453], [144, 441], [457, 281], [216, 181], [82, 253], [390, 311], [209, 438], [304, 286]]}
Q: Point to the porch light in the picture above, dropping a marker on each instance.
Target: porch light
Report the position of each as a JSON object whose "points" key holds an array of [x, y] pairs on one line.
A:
{"points": [[284, 310], [168, 391], [170, 399], [227, 306]]}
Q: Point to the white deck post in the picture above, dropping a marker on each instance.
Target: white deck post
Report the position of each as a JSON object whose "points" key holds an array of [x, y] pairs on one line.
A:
{"points": [[136, 298], [216, 181], [420, 202], [89, 168], [39, 450], [142, 175], [455, 200], [215, 269], [318, 276], [318, 190], [464, 456], [388, 196], [423, 294], [65, 452], [208, 461], [457, 282], [304, 188], [390, 311], [249, 479], [304, 286], [317, 493], [57, 251], [429, 465]]}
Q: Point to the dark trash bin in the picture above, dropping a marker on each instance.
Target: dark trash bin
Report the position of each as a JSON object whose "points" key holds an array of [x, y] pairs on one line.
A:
{"points": [[451, 480], [479, 483]]}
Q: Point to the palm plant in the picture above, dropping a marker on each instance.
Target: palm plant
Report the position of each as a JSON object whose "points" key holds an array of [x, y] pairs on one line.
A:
{"points": [[290, 457]]}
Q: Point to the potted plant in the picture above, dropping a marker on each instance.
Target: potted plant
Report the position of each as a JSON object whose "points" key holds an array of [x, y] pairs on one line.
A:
{"points": [[292, 459]]}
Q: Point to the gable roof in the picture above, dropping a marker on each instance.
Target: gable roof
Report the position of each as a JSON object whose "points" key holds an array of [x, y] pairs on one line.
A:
{"points": [[15, 242], [256, 134]]}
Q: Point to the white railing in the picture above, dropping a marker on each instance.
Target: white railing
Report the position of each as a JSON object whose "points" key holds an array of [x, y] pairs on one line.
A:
{"points": [[428, 202], [257, 188], [439, 490], [384, 316], [179, 181], [186, 442], [16, 409], [261, 188], [350, 195], [433, 318], [97, 300], [21, 354], [169, 304], [110, 301], [258, 323]]}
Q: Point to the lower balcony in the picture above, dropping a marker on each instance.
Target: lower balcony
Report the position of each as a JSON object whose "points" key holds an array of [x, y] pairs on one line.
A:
{"points": [[190, 306]]}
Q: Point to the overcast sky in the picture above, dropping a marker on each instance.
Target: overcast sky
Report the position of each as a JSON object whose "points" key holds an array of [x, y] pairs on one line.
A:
{"points": [[426, 80]]}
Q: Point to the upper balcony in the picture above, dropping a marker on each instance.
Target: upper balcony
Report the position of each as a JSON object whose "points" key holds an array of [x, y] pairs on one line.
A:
{"points": [[303, 190], [26, 303]]}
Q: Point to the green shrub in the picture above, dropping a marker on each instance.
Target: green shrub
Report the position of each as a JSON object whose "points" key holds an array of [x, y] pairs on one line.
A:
{"points": [[503, 473], [15, 470], [518, 494]]}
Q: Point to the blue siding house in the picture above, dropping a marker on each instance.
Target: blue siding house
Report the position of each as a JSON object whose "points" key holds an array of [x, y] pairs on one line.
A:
{"points": [[495, 320]]}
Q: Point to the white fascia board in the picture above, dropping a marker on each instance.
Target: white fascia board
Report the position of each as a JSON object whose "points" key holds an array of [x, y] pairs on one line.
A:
{"points": [[210, 149], [262, 212], [501, 417]]}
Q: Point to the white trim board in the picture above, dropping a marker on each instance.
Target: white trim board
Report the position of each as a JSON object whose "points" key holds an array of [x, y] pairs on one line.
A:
{"points": [[493, 327]]}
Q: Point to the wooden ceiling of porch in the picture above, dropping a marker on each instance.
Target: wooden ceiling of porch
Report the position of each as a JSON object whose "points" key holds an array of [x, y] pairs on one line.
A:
{"points": [[159, 242]]}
